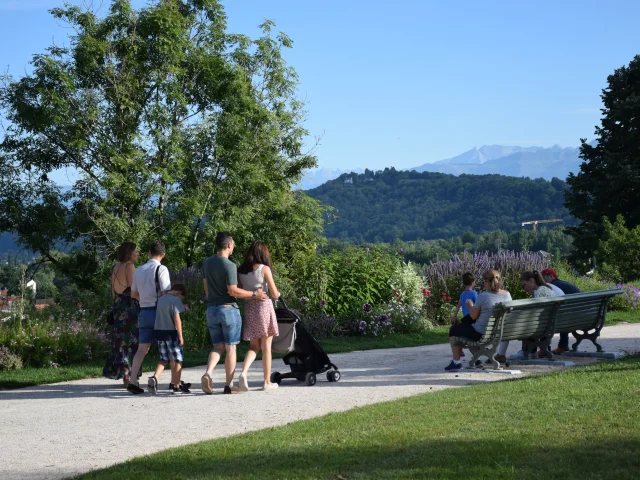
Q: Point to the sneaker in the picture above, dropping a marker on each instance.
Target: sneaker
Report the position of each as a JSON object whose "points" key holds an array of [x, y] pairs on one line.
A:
{"points": [[206, 384], [135, 389], [153, 385], [182, 384], [517, 356], [184, 387], [230, 389], [559, 350], [453, 366], [270, 386], [175, 389], [243, 385]]}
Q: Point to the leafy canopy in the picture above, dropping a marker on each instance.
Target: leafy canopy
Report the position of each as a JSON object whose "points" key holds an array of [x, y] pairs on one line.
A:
{"points": [[608, 183], [177, 130]]}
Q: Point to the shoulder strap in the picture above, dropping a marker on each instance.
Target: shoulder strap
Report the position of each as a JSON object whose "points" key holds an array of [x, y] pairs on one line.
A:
{"points": [[157, 279]]}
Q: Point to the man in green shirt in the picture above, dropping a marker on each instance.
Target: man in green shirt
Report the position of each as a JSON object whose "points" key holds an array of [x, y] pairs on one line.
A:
{"points": [[220, 278]]}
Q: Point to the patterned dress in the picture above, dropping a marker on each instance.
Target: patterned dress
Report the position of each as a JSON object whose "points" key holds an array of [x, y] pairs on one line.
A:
{"points": [[544, 292], [124, 337], [259, 315]]}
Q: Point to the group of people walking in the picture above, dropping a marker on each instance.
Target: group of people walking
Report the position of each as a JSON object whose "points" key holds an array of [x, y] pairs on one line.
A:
{"points": [[476, 309], [147, 309]]}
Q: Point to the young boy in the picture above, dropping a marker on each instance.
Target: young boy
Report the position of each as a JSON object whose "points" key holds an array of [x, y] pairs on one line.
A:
{"points": [[168, 333], [467, 298]]}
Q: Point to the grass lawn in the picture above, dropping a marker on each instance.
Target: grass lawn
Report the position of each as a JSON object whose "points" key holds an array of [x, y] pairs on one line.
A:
{"points": [[617, 316], [38, 376], [582, 423]]}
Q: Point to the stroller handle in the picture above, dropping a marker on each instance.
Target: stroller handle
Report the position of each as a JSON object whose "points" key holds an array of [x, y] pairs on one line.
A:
{"points": [[284, 304]]}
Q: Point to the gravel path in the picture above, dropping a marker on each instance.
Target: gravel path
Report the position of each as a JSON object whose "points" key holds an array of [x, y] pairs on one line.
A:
{"points": [[56, 431]]}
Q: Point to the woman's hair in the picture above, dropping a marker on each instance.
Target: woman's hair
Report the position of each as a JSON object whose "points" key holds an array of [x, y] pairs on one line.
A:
{"points": [[125, 251], [180, 288], [494, 279], [535, 274], [258, 253]]}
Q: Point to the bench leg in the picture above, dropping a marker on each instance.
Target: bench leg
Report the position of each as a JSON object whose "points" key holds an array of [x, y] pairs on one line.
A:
{"points": [[586, 336], [531, 348], [488, 351]]}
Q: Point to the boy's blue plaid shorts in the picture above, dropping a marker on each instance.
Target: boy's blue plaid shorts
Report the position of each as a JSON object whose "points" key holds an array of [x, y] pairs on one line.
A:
{"points": [[170, 349]]}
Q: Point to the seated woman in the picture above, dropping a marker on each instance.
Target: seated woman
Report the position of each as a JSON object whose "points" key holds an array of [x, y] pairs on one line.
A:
{"points": [[532, 283], [474, 325]]}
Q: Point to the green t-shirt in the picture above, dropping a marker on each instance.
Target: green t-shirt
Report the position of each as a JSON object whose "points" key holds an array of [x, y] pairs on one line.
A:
{"points": [[219, 272]]}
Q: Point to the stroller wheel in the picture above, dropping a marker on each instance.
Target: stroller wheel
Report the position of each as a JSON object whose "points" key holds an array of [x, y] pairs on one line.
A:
{"points": [[333, 376], [276, 377], [310, 379]]}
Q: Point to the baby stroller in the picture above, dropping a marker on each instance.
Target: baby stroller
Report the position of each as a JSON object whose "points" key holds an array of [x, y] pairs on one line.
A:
{"points": [[304, 354]]}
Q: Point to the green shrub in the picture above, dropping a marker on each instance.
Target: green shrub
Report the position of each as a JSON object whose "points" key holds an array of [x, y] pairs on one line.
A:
{"points": [[407, 284], [344, 280], [9, 360]]}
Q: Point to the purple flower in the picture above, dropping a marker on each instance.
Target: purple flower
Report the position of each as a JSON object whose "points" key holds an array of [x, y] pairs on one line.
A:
{"points": [[383, 317], [366, 308], [322, 303], [363, 325]]}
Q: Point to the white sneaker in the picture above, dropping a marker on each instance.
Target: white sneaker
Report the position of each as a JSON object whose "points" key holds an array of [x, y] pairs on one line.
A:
{"points": [[243, 385], [517, 356], [271, 386]]}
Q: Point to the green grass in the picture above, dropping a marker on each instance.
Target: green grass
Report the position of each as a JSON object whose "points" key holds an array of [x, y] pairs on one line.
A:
{"points": [[582, 423], [619, 316], [37, 376]]}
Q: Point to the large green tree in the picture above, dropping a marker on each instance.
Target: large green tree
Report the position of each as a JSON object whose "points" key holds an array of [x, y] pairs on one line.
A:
{"points": [[608, 183], [177, 130]]}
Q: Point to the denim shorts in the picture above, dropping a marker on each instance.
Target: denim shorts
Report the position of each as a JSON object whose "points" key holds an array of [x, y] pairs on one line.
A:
{"points": [[224, 323], [146, 322], [170, 349]]}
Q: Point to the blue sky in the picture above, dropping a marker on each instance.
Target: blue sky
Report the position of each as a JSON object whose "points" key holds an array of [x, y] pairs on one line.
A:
{"points": [[407, 82]]}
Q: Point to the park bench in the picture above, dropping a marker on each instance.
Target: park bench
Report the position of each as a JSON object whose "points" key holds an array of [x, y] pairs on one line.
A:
{"points": [[535, 321]]}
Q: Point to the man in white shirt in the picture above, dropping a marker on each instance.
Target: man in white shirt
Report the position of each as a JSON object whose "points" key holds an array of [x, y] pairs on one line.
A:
{"points": [[149, 283]]}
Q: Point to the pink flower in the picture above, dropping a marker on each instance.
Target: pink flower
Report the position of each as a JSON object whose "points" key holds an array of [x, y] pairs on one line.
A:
{"points": [[186, 307], [201, 302]]}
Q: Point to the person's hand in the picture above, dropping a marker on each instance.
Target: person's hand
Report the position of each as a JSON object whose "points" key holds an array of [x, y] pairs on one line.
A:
{"points": [[469, 303], [180, 341], [454, 319], [260, 295]]}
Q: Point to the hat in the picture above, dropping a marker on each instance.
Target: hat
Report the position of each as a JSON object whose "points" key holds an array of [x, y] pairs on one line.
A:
{"points": [[549, 271]]}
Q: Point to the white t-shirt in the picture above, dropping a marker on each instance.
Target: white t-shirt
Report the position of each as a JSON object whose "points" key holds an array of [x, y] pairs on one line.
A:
{"points": [[144, 282]]}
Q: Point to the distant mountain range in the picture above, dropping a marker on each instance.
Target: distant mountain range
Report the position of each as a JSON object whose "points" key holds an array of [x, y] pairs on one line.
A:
{"points": [[513, 161], [532, 162]]}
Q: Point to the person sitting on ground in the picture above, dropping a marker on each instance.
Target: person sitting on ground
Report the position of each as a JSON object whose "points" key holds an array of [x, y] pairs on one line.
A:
{"points": [[260, 324], [532, 283], [474, 325], [551, 278], [168, 334], [469, 281]]}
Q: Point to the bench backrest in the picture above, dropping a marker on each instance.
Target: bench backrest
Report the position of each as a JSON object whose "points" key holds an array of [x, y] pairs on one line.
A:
{"points": [[529, 318], [583, 311]]}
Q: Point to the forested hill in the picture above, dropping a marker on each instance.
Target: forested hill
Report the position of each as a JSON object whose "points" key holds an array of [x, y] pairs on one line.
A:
{"points": [[383, 206]]}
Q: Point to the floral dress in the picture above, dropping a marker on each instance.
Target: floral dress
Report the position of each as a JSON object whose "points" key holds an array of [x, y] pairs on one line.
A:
{"points": [[259, 315], [544, 292], [124, 337]]}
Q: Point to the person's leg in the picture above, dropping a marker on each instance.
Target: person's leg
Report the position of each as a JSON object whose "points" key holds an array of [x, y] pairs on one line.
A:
{"points": [[160, 368], [265, 345], [254, 348], [231, 329], [146, 322], [456, 350], [502, 348], [176, 373], [564, 341], [143, 348], [230, 363]]}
